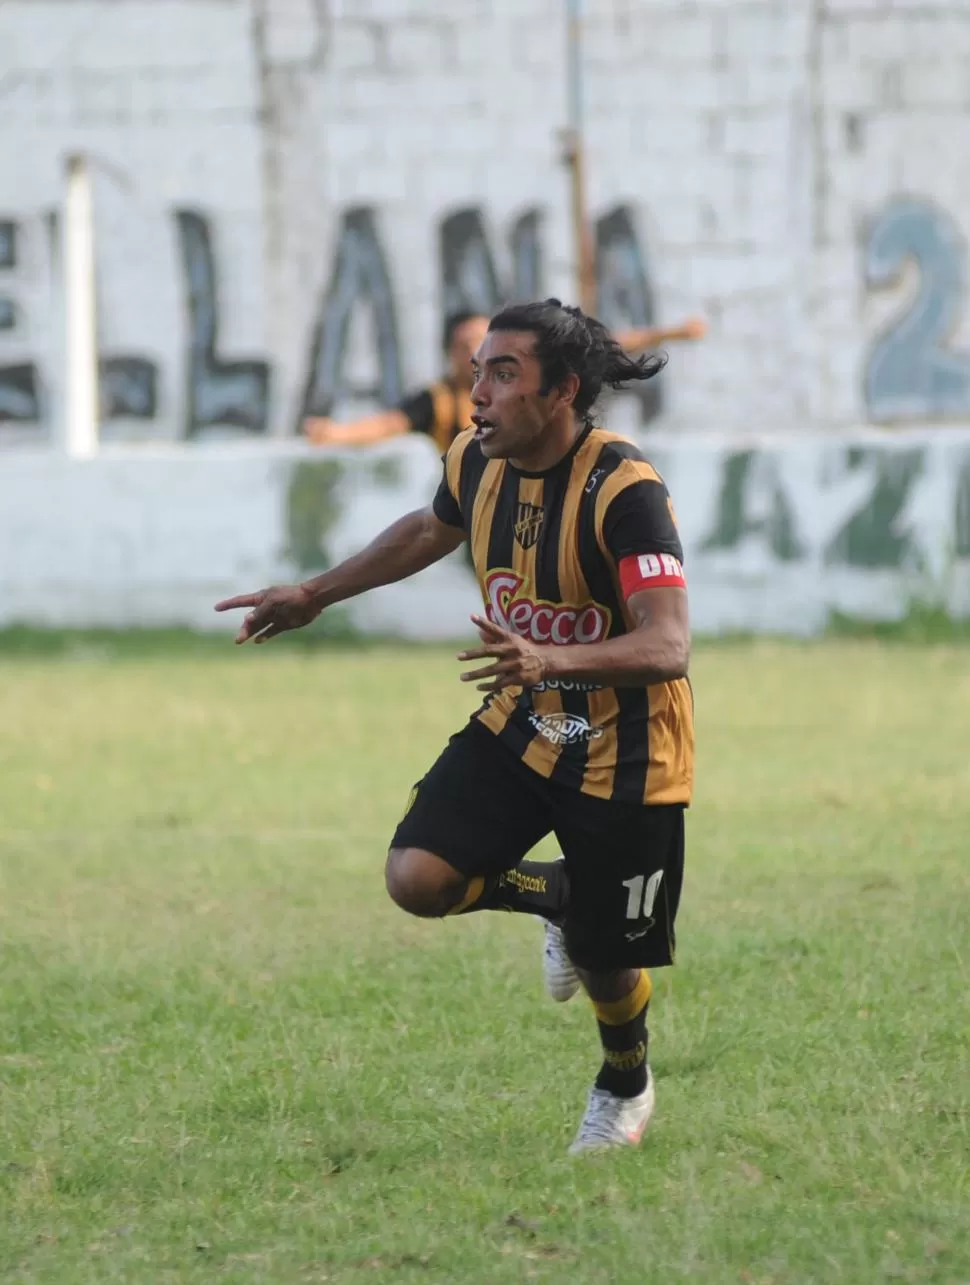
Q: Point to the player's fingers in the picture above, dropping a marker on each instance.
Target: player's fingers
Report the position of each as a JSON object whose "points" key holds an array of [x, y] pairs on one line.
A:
{"points": [[496, 651], [240, 600], [489, 627], [475, 653], [270, 632], [487, 672], [246, 632], [505, 671], [255, 623], [499, 685]]}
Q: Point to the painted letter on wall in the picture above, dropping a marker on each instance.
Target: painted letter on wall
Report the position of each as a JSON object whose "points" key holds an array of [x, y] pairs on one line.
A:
{"points": [[19, 393], [624, 294], [360, 278], [470, 280], [912, 374], [218, 392]]}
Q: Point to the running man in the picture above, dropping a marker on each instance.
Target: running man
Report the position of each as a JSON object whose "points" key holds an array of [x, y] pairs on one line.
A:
{"points": [[444, 408], [586, 727]]}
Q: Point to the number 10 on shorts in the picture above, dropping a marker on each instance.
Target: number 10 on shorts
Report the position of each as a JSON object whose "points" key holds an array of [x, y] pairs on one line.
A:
{"points": [[643, 893]]}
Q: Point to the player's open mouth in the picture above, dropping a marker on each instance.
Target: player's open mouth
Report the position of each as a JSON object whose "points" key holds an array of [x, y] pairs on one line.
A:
{"points": [[483, 427]]}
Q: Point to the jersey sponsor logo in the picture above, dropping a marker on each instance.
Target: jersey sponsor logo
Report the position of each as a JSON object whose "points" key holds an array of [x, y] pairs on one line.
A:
{"points": [[528, 524], [524, 883], [543, 622], [564, 729], [566, 685], [628, 1059]]}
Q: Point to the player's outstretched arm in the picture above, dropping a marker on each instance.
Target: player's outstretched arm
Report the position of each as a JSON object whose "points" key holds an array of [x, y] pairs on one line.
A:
{"points": [[386, 424], [653, 336], [403, 549]]}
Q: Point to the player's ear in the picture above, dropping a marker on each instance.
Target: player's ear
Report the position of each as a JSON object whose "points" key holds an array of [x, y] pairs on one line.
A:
{"points": [[569, 389]]}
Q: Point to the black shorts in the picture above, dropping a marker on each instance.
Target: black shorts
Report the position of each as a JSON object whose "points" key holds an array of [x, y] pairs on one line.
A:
{"points": [[481, 809]]}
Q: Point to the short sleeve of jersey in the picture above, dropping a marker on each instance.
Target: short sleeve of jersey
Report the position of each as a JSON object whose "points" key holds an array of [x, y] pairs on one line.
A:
{"points": [[419, 408], [445, 503], [640, 520]]}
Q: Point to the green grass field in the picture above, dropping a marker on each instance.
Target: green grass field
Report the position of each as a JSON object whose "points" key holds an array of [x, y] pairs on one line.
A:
{"points": [[224, 1056]]}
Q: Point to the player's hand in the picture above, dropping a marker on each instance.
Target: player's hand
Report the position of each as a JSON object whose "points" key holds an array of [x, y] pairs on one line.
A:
{"points": [[274, 611], [694, 328], [319, 430], [517, 662]]}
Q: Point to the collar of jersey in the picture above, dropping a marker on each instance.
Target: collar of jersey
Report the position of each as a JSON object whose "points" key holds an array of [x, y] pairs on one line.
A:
{"points": [[566, 459]]}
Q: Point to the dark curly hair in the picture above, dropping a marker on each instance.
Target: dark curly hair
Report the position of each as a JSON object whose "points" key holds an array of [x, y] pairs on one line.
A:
{"points": [[453, 321], [570, 342]]}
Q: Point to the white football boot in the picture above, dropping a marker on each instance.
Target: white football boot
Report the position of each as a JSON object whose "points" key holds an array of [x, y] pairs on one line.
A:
{"points": [[562, 980], [613, 1122]]}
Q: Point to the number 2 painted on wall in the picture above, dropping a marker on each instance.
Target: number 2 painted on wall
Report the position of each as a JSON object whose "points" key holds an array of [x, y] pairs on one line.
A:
{"points": [[912, 373]]}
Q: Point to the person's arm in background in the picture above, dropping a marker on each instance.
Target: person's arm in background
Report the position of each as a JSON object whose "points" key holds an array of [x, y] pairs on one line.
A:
{"points": [[414, 415], [386, 424], [645, 337]]}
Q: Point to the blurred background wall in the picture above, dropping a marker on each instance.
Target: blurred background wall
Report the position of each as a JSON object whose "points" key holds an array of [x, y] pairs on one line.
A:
{"points": [[290, 195], [797, 171]]}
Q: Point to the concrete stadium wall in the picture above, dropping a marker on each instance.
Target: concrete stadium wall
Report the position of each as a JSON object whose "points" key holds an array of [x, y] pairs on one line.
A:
{"points": [[779, 532], [287, 201]]}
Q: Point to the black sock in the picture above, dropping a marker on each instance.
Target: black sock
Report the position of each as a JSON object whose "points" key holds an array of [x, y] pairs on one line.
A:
{"points": [[530, 888], [623, 1032]]}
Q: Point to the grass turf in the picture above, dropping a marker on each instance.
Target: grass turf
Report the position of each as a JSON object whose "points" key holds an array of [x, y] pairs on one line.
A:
{"points": [[224, 1056]]}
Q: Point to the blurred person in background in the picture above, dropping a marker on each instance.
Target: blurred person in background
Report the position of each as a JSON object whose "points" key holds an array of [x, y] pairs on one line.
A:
{"points": [[444, 408], [441, 410]]}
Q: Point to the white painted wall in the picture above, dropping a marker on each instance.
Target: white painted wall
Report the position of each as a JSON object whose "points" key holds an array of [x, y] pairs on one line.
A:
{"points": [[754, 143], [778, 532], [164, 98]]}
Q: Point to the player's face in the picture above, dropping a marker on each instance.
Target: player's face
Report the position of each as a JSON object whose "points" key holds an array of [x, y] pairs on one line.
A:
{"points": [[510, 412], [466, 339]]}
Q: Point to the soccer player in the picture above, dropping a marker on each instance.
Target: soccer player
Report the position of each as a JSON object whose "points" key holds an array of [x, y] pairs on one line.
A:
{"points": [[444, 409], [441, 411], [586, 727]]}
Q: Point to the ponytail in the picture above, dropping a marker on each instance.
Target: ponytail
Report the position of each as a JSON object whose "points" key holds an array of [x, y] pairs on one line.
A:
{"points": [[568, 341]]}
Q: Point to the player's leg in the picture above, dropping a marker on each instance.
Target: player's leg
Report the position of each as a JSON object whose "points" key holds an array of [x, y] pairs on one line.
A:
{"points": [[625, 867], [622, 1098], [558, 970], [459, 847]]}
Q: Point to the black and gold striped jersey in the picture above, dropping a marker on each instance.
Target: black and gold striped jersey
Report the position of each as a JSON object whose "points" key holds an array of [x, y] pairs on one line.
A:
{"points": [[552, 553], [441, 411]]}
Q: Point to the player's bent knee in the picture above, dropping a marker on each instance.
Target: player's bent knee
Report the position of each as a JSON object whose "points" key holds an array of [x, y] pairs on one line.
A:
{"points": [[421, 883]]}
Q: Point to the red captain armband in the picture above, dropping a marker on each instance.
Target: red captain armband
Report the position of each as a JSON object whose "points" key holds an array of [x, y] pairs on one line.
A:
{"points": [[650, 571]]}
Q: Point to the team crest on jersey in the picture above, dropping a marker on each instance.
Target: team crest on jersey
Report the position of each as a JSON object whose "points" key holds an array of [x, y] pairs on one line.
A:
{"points": [[528, 524]]}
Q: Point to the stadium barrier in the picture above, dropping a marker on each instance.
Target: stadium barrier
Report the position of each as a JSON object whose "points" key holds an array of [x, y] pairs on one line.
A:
{"points": [[779, 533]]}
